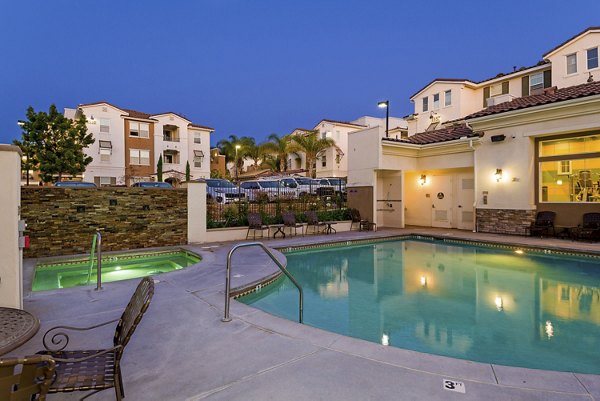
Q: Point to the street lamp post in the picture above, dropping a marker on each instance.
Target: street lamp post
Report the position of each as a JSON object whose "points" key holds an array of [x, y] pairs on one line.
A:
{"points": [[386, 104], [237, 147]]}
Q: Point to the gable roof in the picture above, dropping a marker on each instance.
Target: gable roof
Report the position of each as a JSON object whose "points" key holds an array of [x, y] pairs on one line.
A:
{"points": [[454, 80], [566, 42], [338, 123], [451, 133], [551, 95]]}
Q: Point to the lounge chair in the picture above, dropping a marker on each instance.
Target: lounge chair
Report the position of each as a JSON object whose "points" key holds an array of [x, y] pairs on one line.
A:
{"points": [[26, 378], [255, 223], [96, 370], [289, 221], [362, 224], [313, 221], [589, 229], [544, 222]]}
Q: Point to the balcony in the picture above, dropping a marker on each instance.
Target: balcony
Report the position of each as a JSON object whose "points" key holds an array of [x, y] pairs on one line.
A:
{"points": [[170, 138]]}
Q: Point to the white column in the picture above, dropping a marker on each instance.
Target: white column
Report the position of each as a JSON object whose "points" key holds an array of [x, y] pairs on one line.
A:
{"points": [[196, 212], [11, 268]]}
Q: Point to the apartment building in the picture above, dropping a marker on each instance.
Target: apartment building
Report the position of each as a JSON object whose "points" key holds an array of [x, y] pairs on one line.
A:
{"points": [[129, 144], [488, 155]]}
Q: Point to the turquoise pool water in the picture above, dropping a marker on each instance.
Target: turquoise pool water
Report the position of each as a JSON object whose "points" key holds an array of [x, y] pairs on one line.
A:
{"points": [[477, 303], [66, 274]]}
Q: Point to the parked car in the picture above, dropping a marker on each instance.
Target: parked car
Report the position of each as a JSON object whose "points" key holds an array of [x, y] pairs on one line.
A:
{"points": [[75, 184], [338, 184], [223, 191], [152, 184], [261, 190]]}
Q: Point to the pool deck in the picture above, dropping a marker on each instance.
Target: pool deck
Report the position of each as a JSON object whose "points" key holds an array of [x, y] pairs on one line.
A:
{"points": [[182, 351]]}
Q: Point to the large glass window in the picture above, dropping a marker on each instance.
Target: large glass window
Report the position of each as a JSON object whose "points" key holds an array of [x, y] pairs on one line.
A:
{"points": [[139, 157], [104, 125], [592, 58], [141, 130], [536, 81], [570, 169]]}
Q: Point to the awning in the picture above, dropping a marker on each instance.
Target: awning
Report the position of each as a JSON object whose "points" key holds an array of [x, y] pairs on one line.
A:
{"points": [[105, 144], [198, 153]]}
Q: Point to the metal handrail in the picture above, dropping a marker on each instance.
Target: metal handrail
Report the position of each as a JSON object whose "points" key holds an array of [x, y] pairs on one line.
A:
{"points": [[226, 317], [99, 259]]}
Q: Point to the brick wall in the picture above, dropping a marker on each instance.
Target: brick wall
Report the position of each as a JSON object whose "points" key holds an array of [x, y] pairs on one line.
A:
{"points": [[505, 221], [62, 221]]}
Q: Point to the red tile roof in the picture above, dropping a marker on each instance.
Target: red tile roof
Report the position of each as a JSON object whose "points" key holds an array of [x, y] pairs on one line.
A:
{"points": [[551, 95], [137, 114], [451, 133]]}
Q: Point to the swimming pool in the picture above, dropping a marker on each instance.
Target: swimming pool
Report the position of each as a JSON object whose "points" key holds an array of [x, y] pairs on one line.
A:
{"points": [[503, 306], [73, 273]]}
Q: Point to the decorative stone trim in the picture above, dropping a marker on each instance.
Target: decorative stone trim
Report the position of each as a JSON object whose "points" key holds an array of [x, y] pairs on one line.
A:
{"points": [[505, 221]]}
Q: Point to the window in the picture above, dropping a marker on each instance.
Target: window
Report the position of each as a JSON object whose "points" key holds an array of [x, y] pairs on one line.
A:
{"points": [[104, 181], [197, 137], [198, 158], [496, 90], [139, 157], [141, 130], [592, 58], [168, 158], [105, 155], [536, 82], [448, 98], [323, 161], [572, 63], [104, 125], [425, 104], [105, 150], [436, 101], [569, 169]]}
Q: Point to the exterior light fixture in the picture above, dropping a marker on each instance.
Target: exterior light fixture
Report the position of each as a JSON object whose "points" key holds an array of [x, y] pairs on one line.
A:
{"points": [[20, 123], [423, 179], [558, 182], [385, 339], [423, 281], [519, 251], [498, 174], [499, 304], [385, 104], [549, 329]]}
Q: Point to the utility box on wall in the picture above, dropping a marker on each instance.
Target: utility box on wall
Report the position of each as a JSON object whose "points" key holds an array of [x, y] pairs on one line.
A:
{"points": [[361, 198]]}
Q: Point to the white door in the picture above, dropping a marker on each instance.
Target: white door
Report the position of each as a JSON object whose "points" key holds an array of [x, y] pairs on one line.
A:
{"points": [[441, 201], [465, 199]]}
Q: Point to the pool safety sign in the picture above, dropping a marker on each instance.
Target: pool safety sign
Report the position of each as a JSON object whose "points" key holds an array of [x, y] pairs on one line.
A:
{"points": [[452, 385]]}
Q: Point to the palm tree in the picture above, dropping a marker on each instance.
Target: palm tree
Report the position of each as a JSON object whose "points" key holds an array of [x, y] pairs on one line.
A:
{"points": [[255, 152], [312, 146], [228, 148], [278, 146]]}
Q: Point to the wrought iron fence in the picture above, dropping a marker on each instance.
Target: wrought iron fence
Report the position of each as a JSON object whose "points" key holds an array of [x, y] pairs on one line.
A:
{"points": [[229, 206]]}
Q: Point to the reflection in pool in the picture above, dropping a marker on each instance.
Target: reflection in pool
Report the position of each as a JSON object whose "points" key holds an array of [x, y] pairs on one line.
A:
{"points": [[489, 305]]}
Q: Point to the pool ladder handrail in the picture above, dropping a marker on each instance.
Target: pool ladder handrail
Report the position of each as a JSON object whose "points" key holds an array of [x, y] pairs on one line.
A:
{"points": [[99, 260], [226, 317]]}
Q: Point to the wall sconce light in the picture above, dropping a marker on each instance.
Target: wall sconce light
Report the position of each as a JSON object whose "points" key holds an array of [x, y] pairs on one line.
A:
{"points": [[423, 281], [558, 182], [498, 174], [423, 179], [499, 304]]}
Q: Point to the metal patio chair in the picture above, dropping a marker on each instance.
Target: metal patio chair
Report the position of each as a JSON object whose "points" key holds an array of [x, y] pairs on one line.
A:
{"points": [[544, 222], [363, 224], [289, 221], [589, 229], [313, 221], [96, 370], [255, 223], [26, 378]]}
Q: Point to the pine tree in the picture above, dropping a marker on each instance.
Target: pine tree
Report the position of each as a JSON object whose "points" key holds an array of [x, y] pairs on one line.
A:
{"points": [[187, 171], [159, 169], [54, 143]]}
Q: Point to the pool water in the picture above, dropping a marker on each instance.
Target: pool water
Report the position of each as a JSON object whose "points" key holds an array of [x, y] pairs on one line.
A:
{"points": [[66, 274], [526, 309]]}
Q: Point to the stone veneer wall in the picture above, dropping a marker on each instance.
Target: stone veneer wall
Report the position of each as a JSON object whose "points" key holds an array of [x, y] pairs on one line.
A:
{"points": [[62, 221], [505, 221]]}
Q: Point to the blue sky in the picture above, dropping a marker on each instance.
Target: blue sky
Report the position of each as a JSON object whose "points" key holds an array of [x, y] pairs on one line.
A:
{"points": [[249, 67]]}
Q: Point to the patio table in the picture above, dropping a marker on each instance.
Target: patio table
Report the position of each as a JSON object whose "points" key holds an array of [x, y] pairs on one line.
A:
{"points": [[16, 327], [329, 229]]}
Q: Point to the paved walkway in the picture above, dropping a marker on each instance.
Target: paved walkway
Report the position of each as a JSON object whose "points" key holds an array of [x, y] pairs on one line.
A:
{"points": [[182, 350]]}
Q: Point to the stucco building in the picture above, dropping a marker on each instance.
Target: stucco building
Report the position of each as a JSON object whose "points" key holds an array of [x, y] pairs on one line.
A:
{"points": [[129, 143], [488, 155]]}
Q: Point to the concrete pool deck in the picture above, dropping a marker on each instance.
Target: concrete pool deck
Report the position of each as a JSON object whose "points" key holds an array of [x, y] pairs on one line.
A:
{"points": [[182, 350]]}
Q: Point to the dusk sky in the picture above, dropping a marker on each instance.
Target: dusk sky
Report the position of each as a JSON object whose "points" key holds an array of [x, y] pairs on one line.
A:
{"points": [[256, 67]]}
